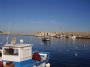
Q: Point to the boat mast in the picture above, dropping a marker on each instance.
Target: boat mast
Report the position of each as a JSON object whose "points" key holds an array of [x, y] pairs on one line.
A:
{"points": [[7, 32], [7, 35]]}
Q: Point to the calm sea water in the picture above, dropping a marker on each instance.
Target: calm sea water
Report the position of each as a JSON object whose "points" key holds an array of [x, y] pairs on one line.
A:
{"points": [[63, 52]]}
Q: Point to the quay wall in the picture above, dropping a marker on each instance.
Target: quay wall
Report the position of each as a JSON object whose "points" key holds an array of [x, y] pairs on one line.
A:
{"points": [[19, 33], [67, 34], [52, 34]]}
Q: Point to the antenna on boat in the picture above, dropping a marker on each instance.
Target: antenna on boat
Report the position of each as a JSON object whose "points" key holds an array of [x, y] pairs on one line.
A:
{"points": [[7, 36], [7, 33], [7, 40]]}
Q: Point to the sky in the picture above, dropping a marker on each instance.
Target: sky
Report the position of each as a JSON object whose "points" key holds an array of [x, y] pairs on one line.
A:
{"points": [[45, 15]]}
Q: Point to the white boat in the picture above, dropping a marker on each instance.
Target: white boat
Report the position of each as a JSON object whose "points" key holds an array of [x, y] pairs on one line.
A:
{"points": [[73, 37], [21, 56], [45, 39]]}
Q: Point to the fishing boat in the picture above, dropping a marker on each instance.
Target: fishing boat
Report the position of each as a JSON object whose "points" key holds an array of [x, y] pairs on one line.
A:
{"points": [[46, 39], [20, 55], [73, 37]]}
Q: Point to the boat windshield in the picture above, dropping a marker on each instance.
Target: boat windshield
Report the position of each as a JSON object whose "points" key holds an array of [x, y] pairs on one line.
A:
{"points": [[0, 54], [10, 51]]}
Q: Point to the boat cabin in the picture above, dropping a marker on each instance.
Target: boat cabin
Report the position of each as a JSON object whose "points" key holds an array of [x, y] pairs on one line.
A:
{"points": [[18, 53]]}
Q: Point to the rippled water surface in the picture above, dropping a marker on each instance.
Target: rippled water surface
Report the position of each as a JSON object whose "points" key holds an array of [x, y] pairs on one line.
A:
{"points": [[63, 52]]}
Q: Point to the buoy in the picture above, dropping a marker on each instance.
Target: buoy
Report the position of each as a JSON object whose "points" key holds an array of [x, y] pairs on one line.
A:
{"points": [[76, 54]]}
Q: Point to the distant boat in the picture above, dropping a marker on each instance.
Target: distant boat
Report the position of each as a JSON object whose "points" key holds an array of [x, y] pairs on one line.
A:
{"points": [[46, 39], [72, 37]]}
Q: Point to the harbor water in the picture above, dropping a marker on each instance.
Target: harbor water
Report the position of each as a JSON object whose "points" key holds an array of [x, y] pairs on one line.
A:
{"points": [[64, 52]]}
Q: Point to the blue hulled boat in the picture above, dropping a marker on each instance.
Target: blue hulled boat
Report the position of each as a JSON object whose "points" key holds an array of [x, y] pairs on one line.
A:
{"points": [[20, 55]]}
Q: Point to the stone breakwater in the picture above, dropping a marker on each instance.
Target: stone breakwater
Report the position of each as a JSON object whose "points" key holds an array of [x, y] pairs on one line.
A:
{"points": [[82, 35], [78, 35]]}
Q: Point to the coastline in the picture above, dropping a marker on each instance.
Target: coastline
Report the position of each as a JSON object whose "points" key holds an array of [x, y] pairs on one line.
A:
{"points": [[78, 35]]}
